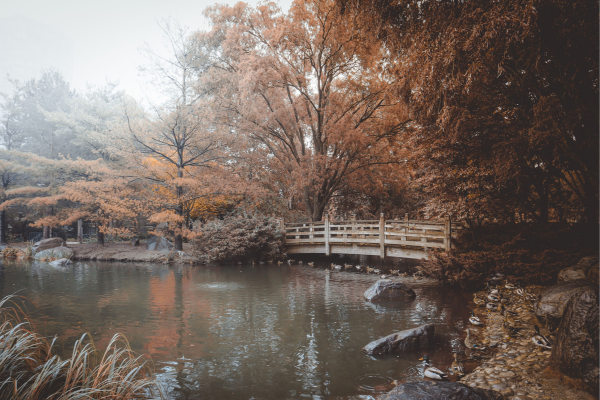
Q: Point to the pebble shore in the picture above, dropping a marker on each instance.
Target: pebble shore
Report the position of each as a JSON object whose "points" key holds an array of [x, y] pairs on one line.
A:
{"points": [[513, 365]]}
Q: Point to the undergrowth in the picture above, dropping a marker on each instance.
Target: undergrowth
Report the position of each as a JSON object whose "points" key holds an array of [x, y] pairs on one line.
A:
{"points": [[240, 236], [30, 370], [533, 254]]}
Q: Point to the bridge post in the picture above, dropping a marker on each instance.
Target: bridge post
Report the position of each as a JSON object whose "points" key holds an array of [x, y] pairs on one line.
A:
{"points": [[382, 236], [448, 234], [327, 249], [282, 228]]}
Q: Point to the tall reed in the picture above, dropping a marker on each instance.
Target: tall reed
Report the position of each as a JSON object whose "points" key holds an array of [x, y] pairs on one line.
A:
{"points": [[29, 369]]}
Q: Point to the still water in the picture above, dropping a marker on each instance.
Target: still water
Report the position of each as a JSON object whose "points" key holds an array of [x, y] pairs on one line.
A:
{"points": [[241, 332]]}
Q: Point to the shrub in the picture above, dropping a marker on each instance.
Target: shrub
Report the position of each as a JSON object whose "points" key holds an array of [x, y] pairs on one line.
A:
{"points": [[10, 252], [239, 236], [533, 254]]}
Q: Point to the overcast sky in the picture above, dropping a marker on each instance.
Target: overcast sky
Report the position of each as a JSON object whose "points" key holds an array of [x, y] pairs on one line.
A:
{"points": [[107, 34]]}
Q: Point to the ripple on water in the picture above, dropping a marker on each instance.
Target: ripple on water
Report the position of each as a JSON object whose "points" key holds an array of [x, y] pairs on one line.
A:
{"points": [[375, 383], [220, 286]]}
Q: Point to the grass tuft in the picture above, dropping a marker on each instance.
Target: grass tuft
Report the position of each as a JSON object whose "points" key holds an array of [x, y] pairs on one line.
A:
{"points": [[30, 370]]}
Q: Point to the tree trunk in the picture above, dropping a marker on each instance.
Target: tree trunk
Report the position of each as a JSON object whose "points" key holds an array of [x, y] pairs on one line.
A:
{"points": [[178, 242], [3, 227], [179, 225], [100, 237], [80, 230], [47, 230], [318, 213]]}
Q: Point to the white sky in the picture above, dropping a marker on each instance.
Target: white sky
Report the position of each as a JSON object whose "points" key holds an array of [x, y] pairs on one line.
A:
{"points": [[107, 34]]}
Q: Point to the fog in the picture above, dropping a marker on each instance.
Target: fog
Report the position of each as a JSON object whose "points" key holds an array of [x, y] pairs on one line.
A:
{"points": [[103, 38]]}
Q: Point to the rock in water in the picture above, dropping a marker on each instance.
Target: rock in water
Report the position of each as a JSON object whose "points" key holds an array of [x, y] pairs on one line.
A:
{"points": [[553, 300], [386, 289], [60, 262], [409, 339], [54, 253], [575, 352], [48, 244], [159, 243], [579, 271], [439, 390]]}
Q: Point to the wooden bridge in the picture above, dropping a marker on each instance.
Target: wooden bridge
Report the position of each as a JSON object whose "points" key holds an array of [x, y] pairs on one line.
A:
{"points": [[384, 238]]}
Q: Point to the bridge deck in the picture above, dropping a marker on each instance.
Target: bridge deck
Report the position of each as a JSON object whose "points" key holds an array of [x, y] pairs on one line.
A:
{"points": [[384, 238]]}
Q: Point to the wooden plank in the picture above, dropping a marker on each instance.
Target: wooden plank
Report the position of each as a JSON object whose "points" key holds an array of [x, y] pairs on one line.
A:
{"points": [[351, 240], [358, 250], [382, 236], [417, 235], [327, 248], [414, 243]]}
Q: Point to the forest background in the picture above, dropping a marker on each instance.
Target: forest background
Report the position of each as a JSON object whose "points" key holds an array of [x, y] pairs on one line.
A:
{"points": [[486, 112]]}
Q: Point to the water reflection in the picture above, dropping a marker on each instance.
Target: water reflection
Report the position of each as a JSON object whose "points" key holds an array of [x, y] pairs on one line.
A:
{"points": [[242, 333]]}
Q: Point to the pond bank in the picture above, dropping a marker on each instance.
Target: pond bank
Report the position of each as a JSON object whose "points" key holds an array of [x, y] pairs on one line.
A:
{"points": [[125, 252], [519, 369]]}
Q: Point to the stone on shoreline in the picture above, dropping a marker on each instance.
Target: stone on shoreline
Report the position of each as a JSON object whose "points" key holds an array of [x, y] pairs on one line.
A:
{"points": [[54, 253], [583, 269], [408, 339], [48, 244], [553, 300], [439, 390], [159, 243], [386, 289], [575, 352]]}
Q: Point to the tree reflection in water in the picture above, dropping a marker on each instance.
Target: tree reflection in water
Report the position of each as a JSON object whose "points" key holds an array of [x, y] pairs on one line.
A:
{"points": [[240, 332]]}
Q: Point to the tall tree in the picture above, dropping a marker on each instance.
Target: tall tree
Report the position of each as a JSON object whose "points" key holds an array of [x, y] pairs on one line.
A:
{"points": [[11, 136], [308, 87], [176, 133], [505, 95]]}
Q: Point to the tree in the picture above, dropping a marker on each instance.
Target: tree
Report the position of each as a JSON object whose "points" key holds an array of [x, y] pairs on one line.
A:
{"points": [[11, 134], [177, 134], [505, 98], [308, 87], [50, 93]]}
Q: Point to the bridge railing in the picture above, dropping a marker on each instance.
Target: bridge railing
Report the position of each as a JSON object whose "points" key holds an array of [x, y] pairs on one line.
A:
{"points": [[418, 234]]}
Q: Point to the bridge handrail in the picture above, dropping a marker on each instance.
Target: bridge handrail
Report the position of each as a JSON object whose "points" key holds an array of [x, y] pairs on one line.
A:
{"points": [[385, 233]]}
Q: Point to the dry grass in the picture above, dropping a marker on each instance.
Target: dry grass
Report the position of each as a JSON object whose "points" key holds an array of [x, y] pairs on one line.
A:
{"points": [[30, 370]]}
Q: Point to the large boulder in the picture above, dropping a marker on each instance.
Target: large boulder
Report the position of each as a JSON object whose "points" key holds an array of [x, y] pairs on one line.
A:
{"points": [[48, 244], [429, 390], [575, 352], [553, 300], [159, 243], [586, 267], [408, 339], [386, 289], [54, 254]]}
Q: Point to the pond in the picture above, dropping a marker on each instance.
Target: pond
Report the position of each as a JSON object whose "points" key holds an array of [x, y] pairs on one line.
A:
{"points": [[241, 332]]}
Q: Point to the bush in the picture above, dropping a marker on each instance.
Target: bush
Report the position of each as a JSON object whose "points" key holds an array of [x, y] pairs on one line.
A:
{"points": [[533, 254], [239, 236], [10, 252]]}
